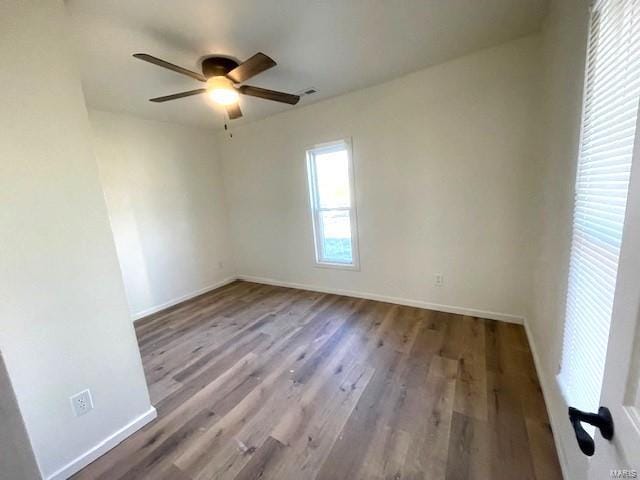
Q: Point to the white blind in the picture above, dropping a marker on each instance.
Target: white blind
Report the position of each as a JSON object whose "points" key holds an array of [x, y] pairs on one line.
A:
{"points": [[612, 92]]}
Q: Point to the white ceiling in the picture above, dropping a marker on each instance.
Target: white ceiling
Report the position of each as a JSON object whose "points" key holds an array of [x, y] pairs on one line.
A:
{"points": [[333, 45]]}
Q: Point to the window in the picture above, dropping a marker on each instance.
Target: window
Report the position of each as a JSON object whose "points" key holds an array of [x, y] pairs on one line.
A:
{"points": [[330, 172], [612, 92]]}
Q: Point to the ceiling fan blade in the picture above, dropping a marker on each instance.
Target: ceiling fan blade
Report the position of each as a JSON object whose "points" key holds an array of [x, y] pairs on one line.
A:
{"points": [[170, 66], [166, 98], [269, 94], [251, 67], [234, 111]]}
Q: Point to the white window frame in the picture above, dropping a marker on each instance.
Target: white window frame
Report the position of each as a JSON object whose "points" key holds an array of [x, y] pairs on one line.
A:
{"points": [[315, 209]]}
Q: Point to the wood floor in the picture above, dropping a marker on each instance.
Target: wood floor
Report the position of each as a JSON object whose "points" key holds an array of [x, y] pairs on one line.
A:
{"points": [[254, 381]]}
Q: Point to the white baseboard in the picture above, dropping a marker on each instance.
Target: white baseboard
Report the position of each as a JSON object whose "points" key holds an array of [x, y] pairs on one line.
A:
{"points": [[546, 389], [103, 447], [503, 317], [175, 301]]}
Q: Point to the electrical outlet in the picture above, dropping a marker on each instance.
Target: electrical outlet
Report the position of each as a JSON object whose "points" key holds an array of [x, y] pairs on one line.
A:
{"points": [[81, 402], [439, 280]]}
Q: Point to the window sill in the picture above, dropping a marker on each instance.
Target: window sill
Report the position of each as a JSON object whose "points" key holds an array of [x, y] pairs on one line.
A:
{"points": [[337, 266]]}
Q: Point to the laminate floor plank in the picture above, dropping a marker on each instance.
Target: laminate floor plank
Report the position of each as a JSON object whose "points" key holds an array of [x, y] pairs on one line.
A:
{"points": [[471, 383], [255, 381]]}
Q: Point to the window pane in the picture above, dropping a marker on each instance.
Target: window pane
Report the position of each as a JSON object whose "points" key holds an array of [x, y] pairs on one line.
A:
{"points": [[336, 236], [332, 172], [329, 170]]}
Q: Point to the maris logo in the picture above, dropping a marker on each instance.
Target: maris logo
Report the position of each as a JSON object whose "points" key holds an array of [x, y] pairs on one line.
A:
{"points": [[623, 474]]}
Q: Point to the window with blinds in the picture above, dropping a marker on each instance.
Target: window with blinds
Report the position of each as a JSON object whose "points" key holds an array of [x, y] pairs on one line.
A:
{"points": [[612, 92]]}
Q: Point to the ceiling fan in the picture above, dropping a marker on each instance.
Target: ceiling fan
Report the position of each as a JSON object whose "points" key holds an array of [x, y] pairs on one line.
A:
{"points": [[223, 77]]}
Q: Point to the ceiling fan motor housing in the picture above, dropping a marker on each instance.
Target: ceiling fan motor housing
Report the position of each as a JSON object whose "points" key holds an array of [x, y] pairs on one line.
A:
{"points": [[217, 66]]}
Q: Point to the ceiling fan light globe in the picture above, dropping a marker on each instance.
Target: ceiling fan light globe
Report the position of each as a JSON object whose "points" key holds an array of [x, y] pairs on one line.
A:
{"points": [[223, 96], [222, 91]]}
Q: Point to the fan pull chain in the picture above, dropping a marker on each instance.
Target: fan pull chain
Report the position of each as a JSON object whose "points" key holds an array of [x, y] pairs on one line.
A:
{"points": [[227, 124]]}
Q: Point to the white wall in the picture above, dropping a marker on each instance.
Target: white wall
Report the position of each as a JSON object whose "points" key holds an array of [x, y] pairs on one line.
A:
{"points": [[16, 454], [163, 187], [64, 322], [444, 163], [564, 49]]}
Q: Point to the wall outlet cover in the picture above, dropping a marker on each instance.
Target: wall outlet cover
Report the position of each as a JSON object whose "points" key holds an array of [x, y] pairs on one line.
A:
{"points": [[81, 403]]}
